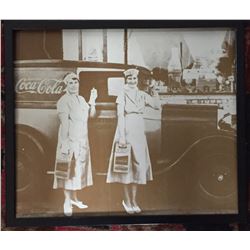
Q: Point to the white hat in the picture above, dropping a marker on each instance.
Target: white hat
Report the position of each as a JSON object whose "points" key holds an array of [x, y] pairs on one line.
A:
{"points": [[70, 76], [130, 72]]}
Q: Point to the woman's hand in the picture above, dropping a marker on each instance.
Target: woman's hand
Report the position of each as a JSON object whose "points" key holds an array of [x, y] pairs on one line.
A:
{"points": [[65, 148], [122, 142], [153, 91]]}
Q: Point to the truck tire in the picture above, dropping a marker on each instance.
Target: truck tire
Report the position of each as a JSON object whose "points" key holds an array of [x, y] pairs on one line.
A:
{"points": [[30, 174], [217, 174]]}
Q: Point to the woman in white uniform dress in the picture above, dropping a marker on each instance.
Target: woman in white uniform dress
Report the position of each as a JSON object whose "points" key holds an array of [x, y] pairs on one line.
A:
{"points": [[130, 129], [73, 112]]}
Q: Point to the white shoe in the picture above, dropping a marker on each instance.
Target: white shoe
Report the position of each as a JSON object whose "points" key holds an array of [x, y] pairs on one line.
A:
{"points": [[78, 204], [128, 209], [136, 209], [67, 209]]}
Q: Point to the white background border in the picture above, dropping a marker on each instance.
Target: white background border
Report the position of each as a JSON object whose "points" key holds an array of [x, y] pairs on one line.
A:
{"points": [[129, 9]]}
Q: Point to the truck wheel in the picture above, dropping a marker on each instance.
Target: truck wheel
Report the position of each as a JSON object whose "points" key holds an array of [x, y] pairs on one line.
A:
{"points": [[217, 179], [29, 168], [24, 175]]}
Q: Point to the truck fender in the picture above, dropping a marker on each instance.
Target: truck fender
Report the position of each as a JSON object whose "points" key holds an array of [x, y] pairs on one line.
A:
{"points": [[208, 143]]}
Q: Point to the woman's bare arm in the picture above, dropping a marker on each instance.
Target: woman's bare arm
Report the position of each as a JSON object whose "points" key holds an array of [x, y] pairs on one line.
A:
{"points": [[92, 111], [156, 102], [93, 96], [153, 101]]}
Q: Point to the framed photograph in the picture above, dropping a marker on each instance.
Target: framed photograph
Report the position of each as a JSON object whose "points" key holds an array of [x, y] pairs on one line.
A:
{"points": [[125, 122]]}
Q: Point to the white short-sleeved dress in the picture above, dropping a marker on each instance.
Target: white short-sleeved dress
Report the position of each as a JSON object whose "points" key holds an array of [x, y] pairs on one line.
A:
{"points": [[77, 110], [132, 105]]}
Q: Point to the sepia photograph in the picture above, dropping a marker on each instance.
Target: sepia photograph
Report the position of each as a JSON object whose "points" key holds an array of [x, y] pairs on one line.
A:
{"points": [[125, 122]]}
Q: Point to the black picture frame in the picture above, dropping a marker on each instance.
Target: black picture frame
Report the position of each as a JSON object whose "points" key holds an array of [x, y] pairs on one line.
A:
{"points": [[10, 26]]}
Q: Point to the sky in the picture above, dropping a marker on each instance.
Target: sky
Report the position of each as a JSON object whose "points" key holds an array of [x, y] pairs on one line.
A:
{"points": [[153, 48]]}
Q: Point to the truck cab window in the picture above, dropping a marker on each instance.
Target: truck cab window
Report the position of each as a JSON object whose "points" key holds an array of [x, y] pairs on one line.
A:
{"points": [[98, 80]]}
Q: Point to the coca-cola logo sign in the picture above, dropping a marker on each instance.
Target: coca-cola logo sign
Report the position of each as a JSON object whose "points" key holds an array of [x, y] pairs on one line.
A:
{"points": [[40, 86]]}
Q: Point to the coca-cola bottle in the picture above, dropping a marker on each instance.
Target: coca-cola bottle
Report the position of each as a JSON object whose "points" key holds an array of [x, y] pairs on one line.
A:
{"points": [[174, 69]]}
